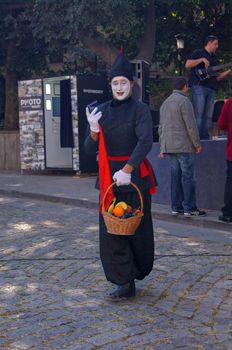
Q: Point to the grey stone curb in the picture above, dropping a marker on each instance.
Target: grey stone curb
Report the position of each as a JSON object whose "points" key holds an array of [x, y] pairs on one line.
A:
{"points": [[49, 198], [194, 221]]}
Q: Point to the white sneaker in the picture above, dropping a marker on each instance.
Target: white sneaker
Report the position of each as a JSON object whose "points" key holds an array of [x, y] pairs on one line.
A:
{"points": [[187, 214], [177, 211]]}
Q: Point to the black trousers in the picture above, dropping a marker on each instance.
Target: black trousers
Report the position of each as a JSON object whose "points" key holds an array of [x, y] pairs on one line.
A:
{"points": [[125, 258], [227, 209]]}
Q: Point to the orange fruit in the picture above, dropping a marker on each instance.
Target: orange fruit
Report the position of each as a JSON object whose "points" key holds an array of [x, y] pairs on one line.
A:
{"points": [[118, 211]]}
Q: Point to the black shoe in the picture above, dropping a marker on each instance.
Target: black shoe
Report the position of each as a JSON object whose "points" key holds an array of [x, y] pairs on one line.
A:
{"points": [[225, 218], [124, 291], [197, 212]]}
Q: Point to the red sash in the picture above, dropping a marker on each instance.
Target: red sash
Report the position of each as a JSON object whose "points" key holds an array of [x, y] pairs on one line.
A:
{"points": [[105, 178], [145, 170]]}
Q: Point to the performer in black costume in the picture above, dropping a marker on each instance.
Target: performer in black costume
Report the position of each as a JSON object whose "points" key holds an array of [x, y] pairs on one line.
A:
{"points": [[126, 125]]}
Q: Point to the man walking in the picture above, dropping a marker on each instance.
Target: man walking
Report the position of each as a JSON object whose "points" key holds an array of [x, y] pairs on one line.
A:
{"points": [[179, 138]]}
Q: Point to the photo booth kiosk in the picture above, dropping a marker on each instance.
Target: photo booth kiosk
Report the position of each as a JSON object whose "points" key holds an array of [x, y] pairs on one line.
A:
{"points": [[53, 123]]}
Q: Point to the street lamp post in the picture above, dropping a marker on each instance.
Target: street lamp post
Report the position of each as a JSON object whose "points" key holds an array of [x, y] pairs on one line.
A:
{"points": [[180, 47]]}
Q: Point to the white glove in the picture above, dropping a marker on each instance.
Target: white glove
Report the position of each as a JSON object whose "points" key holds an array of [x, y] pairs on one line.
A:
{"points": [[122, 178], [93, 118]]}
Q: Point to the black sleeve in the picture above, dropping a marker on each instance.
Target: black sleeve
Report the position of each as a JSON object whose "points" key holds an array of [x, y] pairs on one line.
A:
{"points": [[143, 130], [90, 146]]}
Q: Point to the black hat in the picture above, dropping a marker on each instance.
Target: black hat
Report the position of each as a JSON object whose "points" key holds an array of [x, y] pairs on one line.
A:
{"points": [[121, 67]]}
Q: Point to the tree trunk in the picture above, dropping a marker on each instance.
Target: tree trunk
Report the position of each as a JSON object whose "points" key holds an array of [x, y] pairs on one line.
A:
{"points": [[101, 47], [108, 52], [11, 103], [147, 42]]}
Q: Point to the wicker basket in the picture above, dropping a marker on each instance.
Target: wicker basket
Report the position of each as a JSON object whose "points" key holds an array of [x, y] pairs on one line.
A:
{"points": [[117, 226]]}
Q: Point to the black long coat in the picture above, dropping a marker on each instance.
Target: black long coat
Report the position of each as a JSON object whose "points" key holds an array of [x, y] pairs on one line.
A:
{"points": [[127, 129]]}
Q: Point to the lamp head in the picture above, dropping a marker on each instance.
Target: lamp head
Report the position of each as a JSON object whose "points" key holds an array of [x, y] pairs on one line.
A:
{"points": [[179, 41]]}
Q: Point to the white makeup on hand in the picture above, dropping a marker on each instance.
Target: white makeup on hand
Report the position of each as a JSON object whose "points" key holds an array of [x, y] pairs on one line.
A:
{"points": [[121, 87]]}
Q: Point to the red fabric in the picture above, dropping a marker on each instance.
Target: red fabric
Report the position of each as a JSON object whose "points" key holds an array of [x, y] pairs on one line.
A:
{"points": [[145, 170], [148, 172], [225, 123], [105, 179], [118, 158]]}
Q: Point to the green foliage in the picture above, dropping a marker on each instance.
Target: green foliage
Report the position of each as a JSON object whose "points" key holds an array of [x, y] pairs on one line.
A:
{"points": [[45, 31], [196, 19], [160, 90], [29, 55], [62, 23]]}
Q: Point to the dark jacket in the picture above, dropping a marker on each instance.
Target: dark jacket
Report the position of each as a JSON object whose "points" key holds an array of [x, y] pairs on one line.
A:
{"points": [[127, 129]]}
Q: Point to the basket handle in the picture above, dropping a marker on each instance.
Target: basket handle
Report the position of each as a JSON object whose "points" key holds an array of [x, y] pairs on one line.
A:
{"points": [[133, 184]]}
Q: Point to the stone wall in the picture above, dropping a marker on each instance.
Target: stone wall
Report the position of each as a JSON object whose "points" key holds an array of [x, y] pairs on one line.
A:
{"points": [[76, 160], [31, 127]]}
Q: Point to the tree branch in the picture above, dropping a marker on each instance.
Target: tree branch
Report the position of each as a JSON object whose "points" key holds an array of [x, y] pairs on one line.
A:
{"points": [[100, 46]]}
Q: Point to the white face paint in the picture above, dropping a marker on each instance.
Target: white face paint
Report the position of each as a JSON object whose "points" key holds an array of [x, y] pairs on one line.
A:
{"points": [[121, 87]]}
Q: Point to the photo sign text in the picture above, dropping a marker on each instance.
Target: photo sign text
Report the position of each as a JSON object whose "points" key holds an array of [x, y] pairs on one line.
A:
{"points": [[31, 103]]}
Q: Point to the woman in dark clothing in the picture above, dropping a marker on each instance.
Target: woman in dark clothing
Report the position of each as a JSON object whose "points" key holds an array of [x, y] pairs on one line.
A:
{"points": [[121, 132]]}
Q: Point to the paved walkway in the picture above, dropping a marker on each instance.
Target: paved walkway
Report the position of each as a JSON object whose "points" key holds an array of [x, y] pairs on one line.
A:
{"points": [[53, 289], [79, 190]]}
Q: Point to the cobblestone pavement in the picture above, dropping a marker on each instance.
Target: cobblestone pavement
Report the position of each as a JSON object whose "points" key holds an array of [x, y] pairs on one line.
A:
{"points": [[52, 287]]}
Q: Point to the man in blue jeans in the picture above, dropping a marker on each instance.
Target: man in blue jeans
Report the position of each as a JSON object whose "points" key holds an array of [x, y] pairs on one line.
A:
{"points": [[179, 138], [204, 85]]}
